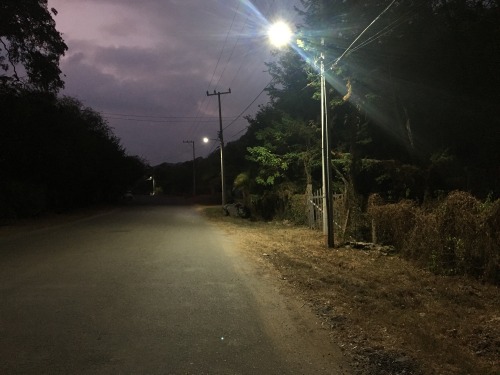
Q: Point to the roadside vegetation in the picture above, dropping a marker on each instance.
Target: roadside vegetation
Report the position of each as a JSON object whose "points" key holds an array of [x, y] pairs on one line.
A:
{"points": [[414, 123], [55, 153], [389, 315], [412, 286], [412, 111]]}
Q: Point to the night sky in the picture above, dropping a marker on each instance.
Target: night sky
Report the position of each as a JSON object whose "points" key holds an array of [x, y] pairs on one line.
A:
{"points": [[146, 67]]}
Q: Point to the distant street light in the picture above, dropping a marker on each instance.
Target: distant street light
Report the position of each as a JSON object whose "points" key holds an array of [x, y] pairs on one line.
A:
{"points": [[152, 179], [280, 34]]}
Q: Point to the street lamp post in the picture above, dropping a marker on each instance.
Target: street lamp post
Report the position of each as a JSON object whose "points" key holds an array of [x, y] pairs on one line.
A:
{"points": [[326, 159], [280, 35], [152, 179], [194, 167], [221, 140]]}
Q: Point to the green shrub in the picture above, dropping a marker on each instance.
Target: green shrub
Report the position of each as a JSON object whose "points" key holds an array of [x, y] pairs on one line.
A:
{"points": [[296, 210]]}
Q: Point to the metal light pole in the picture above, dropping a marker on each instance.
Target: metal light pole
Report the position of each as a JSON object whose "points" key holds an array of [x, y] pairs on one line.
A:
{"points": [[152, 179], [194, 167], [205, 140], [326, 159]]}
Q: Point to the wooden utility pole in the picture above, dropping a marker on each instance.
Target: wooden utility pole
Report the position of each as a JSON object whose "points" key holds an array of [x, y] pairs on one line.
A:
{"points": [[221, 139]]}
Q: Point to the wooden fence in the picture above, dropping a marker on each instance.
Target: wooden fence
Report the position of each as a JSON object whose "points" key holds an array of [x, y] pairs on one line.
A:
{"points": [[340, 212]]}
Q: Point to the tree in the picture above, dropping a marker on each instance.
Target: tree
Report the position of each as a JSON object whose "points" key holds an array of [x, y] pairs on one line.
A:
{"points": [[285, 148], [30, 44], [56, 154], [422, 78]]}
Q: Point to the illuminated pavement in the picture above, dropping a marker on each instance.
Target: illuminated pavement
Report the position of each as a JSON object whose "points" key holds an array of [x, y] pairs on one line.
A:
{"points": [[144, 290]]}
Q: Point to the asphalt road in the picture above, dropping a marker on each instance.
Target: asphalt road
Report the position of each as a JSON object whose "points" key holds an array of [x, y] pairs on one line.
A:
{"points": [[148, 289]]}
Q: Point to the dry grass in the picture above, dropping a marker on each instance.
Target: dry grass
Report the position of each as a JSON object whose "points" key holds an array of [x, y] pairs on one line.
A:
{"points": [[458, 236], [388, 315]]}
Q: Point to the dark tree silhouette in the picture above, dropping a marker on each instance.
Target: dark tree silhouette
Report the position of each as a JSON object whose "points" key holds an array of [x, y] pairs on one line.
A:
{"points": [[30, 45]]}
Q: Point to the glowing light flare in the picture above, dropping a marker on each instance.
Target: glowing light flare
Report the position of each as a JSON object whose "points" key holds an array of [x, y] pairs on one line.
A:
{"points": [[280, 34]]}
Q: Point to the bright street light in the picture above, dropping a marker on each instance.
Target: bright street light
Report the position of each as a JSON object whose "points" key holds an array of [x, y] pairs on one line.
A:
{"points": [[280, 34]]}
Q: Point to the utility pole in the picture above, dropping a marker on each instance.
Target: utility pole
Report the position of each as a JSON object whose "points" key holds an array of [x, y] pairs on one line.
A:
{"points": [[194, 168], [328, 223], [327, 178], [221, 139]]}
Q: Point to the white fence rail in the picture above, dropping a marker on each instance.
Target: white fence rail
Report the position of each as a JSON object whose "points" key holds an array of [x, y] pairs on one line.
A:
{"points": [[315, 211]]}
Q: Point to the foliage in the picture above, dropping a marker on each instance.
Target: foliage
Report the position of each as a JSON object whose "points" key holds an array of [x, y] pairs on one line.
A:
{"points": [[31, 45], [275, 166], [391, 222], [286, 139], [296, 210], [413, 94], [285, 149], [459, 236], [273, 204], [58, 154], [291, 90]]}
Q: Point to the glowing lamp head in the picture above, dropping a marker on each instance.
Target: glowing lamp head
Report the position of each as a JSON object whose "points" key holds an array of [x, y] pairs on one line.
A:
{"points": [[279, 34], [205, 140]]}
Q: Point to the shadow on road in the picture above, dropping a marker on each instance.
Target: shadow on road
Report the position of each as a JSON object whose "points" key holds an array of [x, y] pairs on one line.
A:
{"points": [[168, 200]]}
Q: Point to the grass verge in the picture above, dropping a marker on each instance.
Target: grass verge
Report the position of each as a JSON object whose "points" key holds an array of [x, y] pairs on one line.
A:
{"points": [[388, 315]]}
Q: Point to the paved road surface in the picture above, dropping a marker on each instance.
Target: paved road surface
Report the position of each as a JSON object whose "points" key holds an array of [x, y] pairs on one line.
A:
{"points": [[145, 290]]}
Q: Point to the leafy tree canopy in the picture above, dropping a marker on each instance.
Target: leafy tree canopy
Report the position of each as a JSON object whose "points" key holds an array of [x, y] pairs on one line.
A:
{"points": [[30, 45]]}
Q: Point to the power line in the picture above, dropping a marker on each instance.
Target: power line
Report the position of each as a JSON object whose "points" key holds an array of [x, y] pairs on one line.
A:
{"points": [[238, 133], [108, 114], [195, 126], [392, 26], [234, 46], [166, 121], [359, 36], [248, 106]]}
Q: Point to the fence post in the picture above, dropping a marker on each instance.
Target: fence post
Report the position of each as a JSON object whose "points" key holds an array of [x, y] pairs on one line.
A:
{"points": [[310, 205], [374, 231]]}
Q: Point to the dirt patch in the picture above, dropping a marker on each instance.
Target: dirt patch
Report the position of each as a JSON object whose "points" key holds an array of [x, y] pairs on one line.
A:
{"points": [[387, 315]]}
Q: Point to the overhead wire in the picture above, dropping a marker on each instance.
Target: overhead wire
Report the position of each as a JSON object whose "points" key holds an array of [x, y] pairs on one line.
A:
{"points": [[248, 106], [196, 125], [349, 49], [271, 9], [268, 5], [365, 30], [234, 46], [107, 114], [165, 121], [391, 27]]}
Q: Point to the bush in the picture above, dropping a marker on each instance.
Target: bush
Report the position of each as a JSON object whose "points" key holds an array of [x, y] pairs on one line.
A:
{"points": [[459, 236], [19, 200], [296, 210], [391, 222]]}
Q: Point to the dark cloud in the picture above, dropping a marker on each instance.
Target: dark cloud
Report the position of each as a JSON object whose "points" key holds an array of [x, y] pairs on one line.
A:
{"points": [[132, 59]]}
